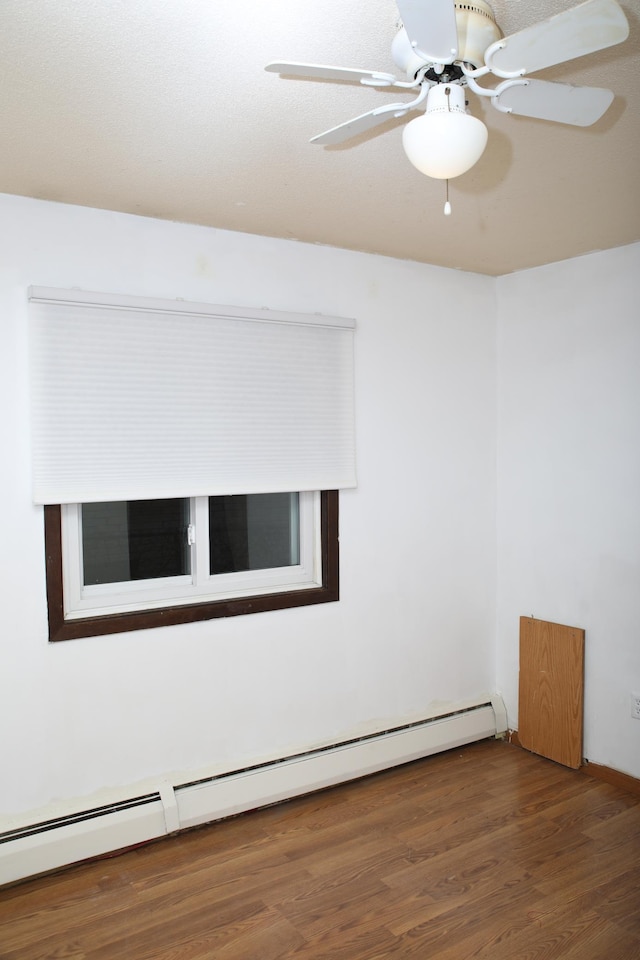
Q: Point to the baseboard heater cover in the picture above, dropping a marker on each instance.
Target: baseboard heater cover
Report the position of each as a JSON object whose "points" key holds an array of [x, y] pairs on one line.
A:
{"points": [[56, 843], [43, 848], [231, 794]]}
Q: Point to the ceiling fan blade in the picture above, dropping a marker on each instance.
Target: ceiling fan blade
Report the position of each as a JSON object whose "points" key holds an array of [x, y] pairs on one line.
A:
{"points": [[431, 27], [366, 121], [316, 71], [584, 29], [560, 102]]}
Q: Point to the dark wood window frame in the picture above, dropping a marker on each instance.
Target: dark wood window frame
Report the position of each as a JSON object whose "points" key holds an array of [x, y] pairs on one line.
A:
{"points": [[61, 629]]}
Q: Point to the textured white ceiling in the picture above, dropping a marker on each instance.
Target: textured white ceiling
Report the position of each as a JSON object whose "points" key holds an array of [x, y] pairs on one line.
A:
{"points": [[163, 108]]}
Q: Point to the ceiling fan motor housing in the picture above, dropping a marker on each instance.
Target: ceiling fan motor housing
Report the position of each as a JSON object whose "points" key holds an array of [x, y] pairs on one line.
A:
{"points": [[477, 30]]}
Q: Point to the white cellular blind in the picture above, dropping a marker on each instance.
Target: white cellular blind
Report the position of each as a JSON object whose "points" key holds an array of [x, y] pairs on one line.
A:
{"points": [[139, 399]]}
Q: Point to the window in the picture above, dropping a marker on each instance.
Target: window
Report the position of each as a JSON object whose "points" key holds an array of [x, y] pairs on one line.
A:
{"points": [[126, 565], [167, 438]]}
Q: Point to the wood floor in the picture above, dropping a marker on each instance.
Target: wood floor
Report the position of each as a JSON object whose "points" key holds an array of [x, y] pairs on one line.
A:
{"points": [[486, 852]]}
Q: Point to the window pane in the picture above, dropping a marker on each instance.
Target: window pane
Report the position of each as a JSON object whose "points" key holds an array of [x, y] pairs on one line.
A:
{"points": [[254, 532], [134, 540]]}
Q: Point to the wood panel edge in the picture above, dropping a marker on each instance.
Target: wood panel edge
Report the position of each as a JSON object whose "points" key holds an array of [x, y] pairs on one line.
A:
{"points": [[512, 737]]}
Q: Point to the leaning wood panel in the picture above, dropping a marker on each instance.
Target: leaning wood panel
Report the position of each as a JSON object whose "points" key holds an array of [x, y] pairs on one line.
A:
{"points": [[551, 690]]}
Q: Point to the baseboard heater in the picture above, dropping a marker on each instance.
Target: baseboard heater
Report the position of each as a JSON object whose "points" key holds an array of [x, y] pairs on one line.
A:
{"points": [[51, 844]]}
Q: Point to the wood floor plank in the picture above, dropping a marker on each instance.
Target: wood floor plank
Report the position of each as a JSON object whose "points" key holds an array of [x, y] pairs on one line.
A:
{"points": [[610, 942], [584, 809], [221, 877], [619, 902], [323, 909], [623, 828], [549, 937], [220, 928], [463, 930], [573, 875], [23, 925], [455, 893]]}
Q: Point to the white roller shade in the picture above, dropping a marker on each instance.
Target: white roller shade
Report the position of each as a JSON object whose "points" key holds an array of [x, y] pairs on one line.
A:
{"points": [[139, 399]]}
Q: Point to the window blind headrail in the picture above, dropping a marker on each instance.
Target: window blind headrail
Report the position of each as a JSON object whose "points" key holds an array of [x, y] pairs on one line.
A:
{"points": [[179, 307]]}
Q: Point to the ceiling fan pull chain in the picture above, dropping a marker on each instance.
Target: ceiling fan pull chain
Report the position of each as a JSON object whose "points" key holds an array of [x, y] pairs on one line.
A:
{"points": [[447, 205]]}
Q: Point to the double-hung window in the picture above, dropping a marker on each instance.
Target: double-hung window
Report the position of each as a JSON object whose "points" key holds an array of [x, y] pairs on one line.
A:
{"points": [[188, 458]]}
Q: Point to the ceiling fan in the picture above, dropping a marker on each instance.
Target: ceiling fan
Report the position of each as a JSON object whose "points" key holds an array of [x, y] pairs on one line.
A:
{"points": [[445, 47]]}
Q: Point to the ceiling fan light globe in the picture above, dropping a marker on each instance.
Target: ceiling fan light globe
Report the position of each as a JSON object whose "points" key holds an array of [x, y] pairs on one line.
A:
{"points": [[444, 145]]}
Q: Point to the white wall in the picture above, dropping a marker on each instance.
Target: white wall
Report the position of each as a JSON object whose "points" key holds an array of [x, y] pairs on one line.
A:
{"points": [[415, 626], [569, 479]]}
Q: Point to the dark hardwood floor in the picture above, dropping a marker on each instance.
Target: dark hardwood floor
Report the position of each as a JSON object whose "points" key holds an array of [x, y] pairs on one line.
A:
{"points": [[485, 852]]}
